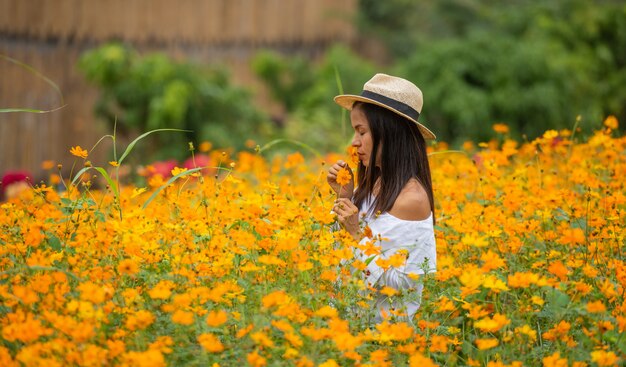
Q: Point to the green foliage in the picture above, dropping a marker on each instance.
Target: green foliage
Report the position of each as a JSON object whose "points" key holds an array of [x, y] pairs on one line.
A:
{"points": [[532, 65], [153, 92], [306, 90]]}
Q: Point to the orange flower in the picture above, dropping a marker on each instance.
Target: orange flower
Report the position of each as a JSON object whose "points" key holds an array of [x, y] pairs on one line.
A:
{"points": [[91, 292], [261, 339], [611, 122], [484, 344], [353, 156], [256, 360], [344, 177], [204, 146], [216, 318], [604, 358], [500, 128], [555, 360], [79, 152], [211, 343], [596, 307], [557, 268], [127, 266], [243, 332], [140, 320], [183, 317], [492, 324]]}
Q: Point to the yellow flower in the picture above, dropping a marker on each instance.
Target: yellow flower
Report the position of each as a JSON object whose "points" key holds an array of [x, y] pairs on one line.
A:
{"points": [[603, 358], [550, 134], [388, 291], [79, 152], [137, 191], [492, 324], [114, 163], [528, 331], [329, 363], [326, 312], [178, 170]]}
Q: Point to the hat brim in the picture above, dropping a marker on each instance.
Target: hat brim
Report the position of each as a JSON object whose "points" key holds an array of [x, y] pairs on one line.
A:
{"points": [[347, 101]]}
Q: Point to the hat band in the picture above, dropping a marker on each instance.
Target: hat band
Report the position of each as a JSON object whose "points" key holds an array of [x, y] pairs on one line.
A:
{"points": [[396, 105]]}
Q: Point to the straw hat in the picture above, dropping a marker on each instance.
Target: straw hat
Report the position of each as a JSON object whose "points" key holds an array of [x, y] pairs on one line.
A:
{"points": [[393, 93]]}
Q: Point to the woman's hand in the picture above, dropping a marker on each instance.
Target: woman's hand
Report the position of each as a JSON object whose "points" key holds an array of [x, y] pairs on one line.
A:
{"points": [[346, 190], [348, 216]]}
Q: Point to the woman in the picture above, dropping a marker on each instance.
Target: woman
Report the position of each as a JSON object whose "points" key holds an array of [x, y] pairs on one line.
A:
{"points": [[393, 205]]}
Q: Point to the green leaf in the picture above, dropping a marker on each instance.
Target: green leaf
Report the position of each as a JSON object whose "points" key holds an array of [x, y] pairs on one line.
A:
{"points": [[30, 110], [106, 176], [291, 141], [130, 146], [39, 75], [170, 181], [54, 243]]}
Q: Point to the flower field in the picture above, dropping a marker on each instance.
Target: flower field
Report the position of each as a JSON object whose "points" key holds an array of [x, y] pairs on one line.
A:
{"points": [[240, 267]]}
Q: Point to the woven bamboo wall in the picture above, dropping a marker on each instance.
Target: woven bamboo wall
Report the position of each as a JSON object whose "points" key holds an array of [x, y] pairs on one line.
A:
{"points": [[50, 35], [255, 22]]}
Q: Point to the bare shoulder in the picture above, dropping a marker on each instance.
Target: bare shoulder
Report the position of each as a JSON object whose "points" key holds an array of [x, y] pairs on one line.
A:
{"points": [[412, 203]]}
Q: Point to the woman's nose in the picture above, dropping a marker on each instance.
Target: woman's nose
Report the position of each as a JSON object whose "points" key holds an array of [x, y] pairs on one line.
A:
{"points": [[355, 142]]}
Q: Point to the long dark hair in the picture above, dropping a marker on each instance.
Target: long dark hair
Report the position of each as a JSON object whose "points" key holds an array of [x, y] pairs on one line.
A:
{"points": [[403, 157]]}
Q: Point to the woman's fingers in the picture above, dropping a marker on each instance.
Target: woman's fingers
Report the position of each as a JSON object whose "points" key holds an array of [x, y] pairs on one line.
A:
{"points": [[345, 207]]}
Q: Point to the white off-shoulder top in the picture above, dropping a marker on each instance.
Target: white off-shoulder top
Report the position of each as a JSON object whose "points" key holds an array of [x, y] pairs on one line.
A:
{"points": [[392, 234]]}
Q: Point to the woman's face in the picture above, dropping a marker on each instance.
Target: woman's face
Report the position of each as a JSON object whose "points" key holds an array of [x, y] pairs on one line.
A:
{"points": [[362, 140]]}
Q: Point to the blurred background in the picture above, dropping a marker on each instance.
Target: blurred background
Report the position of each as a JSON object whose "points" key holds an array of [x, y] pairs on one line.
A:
{"points": [[241, 73]]}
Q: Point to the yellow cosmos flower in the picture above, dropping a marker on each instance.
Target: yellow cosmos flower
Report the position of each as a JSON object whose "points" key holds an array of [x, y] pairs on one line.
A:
{"points": [[343, 177], [329, 363], [604, 358], [177, 171], [79, 152], [138, 191], [388, 291]]}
